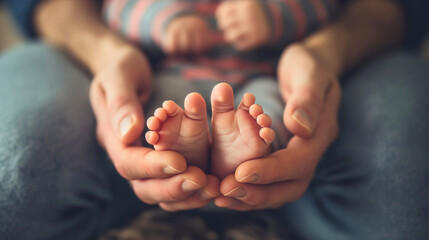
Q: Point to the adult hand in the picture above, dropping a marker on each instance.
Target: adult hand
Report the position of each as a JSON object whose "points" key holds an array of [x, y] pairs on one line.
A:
{"points": [[187, 34], [117, 94], [244, 23], [312, 94]]}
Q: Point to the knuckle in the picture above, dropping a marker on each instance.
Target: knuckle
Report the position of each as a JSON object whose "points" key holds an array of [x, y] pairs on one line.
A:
{"points": [[148, 171], [277, 175], [313, 97], [122, 170], [117, 102], [144, 198], [259, 201], [172, 195]]}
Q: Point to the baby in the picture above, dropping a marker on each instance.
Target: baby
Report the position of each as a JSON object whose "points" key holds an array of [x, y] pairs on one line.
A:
{"points": [[208, 42]]}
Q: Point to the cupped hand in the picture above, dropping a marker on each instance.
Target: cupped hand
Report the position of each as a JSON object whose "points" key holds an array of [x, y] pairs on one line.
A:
{"points": [[309, 88], [244, 23], [117, 94], [189, 34]]}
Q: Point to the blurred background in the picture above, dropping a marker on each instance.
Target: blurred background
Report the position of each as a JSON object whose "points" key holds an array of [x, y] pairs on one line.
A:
{"points": [[9, 36]]}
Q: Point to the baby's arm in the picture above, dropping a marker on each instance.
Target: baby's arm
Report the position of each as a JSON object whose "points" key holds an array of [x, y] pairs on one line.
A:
{"points": [[249, 24], [148, 22]]}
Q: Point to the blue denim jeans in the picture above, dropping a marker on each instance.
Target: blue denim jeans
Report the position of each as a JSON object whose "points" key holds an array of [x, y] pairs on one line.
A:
{"points": [[57, 183]]}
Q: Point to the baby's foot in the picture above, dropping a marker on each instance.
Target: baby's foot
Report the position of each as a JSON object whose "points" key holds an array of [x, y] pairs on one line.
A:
{"points": [[184, 131], [238, 134]]}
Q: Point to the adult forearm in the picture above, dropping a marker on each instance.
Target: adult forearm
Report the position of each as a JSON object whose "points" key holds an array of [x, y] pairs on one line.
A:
{"points": [[76, 26], [365, 28]]}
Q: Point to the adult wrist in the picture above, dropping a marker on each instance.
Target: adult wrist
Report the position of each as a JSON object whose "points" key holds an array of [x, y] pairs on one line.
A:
{"points": [[329, 47], [109, 47]]}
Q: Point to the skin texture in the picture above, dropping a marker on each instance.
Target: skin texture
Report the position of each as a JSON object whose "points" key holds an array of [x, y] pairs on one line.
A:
{"points": [[279, 178], [121, 84], [239, 134], [308, 77]]}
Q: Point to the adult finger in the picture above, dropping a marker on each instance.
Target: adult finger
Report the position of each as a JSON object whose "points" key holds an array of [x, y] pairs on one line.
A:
{"points": [[198, 199], [132, 162], [123, 107], [252, 197], [304, 89], [171, 189], [299, 160]]}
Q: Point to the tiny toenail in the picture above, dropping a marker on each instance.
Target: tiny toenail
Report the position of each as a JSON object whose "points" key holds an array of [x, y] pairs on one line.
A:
{"points": [[171, 170], [238, 192], [303, 119], [251, 178], [125, 125], [189, 185], [206, 195]]}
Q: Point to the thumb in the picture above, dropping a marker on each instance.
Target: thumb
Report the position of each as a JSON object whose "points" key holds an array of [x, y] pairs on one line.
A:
{"points": [[304, 83], [303, 108], [124, 110]]}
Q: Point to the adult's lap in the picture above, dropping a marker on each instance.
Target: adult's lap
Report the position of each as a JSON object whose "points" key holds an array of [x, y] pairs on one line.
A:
{"points": [[55, 179], [372, 182]]}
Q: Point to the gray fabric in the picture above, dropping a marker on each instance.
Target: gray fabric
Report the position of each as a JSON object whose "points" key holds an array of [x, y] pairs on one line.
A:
{"points": [[373, 181], [56, 183]]}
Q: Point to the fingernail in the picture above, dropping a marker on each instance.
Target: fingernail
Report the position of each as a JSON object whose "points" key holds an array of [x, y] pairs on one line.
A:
{"points": [[204, 195], [171, 170], [303, 119], [189, 185], [125, 125], [237, 192], [251, 178]]}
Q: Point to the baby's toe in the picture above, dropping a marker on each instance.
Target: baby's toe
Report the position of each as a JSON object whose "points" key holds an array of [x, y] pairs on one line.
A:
{"points": [[152, 137], [195, 107], [222, 98], [171, 108], [255, 110], [264, 120], [247, 101], [161, 114], [267, 134], [153, 123]]}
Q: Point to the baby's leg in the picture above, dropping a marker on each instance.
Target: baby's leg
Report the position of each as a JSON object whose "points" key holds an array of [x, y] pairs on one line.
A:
{"points": [[238, 134]]}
